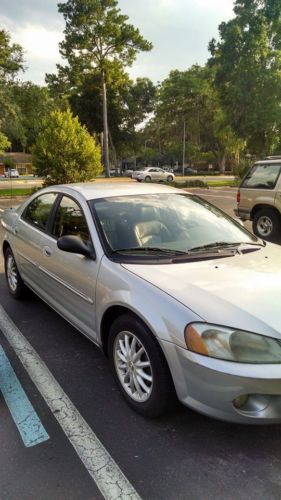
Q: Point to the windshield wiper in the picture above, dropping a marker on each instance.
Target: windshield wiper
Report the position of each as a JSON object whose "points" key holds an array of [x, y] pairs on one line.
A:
{"points": [[224, 244], [148, 250]]}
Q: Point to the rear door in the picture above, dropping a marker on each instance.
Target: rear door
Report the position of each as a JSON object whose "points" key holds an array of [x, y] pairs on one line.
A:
{"points": [[260, 186], [29, 229]]}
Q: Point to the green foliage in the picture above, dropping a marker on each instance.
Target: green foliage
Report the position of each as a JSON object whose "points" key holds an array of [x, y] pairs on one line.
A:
{"points": [[64, 151], [189, 97], [34, 104], [11, 58], [4, 143], [99, 43], [242, 168], [247, 63], [97, 33]]}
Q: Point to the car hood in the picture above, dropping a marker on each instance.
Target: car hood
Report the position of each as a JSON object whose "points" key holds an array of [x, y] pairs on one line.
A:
{"points": [[241, 291]]}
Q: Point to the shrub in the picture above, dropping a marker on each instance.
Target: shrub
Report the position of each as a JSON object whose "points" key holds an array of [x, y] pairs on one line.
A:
{"points": [[192, 183], [241, 169], [64, 151]]}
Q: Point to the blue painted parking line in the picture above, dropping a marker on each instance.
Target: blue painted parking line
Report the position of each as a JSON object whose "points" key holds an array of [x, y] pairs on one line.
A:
{"points": [[22, 411]]}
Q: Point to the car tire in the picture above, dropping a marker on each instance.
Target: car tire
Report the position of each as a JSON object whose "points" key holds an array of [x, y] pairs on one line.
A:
{"points": [[147, 179], [144, 382], [169, 178], [266, 224], [15, 283]]}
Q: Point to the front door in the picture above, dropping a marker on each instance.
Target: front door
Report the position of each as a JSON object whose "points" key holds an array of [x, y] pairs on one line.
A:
{"points": [[69, 280]]}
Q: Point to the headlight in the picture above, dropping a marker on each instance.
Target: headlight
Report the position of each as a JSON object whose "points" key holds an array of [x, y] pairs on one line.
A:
{"points": [[232, 345]]}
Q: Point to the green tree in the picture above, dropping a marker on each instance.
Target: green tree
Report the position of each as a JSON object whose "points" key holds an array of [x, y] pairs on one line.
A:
{"points": [[64, 151], [4, 143], [97, 37], [247, 62], [189, 119], [34, 104], [11, 58]]}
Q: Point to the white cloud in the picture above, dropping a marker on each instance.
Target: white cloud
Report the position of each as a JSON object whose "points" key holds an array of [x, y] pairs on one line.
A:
{"points": [[180, 31]]}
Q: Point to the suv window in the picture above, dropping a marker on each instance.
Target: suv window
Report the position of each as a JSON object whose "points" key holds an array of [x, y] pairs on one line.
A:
{"points": [[70, 220], [262, 176], [38, 211]]}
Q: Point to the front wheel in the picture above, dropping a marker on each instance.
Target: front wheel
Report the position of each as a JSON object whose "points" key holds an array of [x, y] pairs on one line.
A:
{"points": [[169, 178], [139, 367], [15, 284], [266, 224]]}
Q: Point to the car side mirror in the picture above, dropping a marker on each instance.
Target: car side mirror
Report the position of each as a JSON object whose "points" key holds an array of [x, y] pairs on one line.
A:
{"points": [[74, 244]]}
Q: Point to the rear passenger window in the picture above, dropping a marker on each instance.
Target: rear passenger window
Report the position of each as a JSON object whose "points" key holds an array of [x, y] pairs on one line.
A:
{"points": [[38, 211], [262, 176], [70, 220]]}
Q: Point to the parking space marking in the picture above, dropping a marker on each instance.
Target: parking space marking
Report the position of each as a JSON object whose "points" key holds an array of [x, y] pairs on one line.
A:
{"points": [[25, 417], [107, 475]]}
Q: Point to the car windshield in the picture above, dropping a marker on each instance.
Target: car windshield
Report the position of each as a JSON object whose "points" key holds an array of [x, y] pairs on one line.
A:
{"points": [[160, 222]]}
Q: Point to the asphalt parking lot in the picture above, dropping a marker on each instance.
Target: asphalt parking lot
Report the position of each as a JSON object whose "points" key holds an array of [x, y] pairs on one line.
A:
{"points": [[182, 455]]}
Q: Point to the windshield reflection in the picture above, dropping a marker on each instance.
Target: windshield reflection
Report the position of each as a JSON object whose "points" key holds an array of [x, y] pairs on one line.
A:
{"points": [[175, 222]]}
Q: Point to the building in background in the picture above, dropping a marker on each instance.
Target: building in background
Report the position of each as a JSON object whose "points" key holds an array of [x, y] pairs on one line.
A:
{"points": [[20, 161]]}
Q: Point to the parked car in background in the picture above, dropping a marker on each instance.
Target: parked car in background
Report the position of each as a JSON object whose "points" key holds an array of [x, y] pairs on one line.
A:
{"points": [[259, 198], [11, 173], [128, 172], [190, 171], [150, 174], [181, 298]]}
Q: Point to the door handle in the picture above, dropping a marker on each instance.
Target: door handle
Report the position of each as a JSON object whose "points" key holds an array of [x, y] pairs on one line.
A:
{"points": [[47, 251]]}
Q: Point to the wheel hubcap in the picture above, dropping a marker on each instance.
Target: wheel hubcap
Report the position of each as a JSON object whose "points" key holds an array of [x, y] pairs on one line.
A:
{"points": [[12, 273], [133, 366], [264, 226]]}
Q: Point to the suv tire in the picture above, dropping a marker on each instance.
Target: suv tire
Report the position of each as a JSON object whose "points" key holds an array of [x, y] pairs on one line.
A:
{"points": [[266, 224]]}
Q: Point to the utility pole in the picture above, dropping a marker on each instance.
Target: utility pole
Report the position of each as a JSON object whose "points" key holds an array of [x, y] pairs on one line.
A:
{"points": [[183, 149], [105, 127]]}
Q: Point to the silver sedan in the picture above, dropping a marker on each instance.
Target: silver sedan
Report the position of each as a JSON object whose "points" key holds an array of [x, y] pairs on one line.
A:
{"points": [[150, 174], [181, 298]]}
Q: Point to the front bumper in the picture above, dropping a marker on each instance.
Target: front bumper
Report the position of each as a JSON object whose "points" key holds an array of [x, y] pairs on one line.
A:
{"points": [[210, 386]]}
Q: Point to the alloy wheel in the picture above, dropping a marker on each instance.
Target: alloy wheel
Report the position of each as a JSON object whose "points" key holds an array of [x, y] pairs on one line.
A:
{"points": [[133, 366], [12, 273]]}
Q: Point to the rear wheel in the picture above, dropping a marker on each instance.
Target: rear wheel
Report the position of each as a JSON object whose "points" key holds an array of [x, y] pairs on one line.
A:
{"points": [[15, 284], [147, 179], [266, 224], [139, 367]]}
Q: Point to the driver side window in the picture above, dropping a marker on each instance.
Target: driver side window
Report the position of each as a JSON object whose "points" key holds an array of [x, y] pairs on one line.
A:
{"points": [[70, 220]]}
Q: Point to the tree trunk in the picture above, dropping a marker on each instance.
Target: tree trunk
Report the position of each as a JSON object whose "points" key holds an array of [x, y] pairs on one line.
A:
{"points": [[105, 128], [222, 163]]}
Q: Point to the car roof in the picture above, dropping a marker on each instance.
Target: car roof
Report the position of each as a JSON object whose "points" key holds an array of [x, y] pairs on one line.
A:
{"points": [[263, 162], [97, 190]]}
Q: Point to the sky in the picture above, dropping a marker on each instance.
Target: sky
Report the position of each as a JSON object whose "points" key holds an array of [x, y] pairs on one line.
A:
{"points": [[180, 31]]}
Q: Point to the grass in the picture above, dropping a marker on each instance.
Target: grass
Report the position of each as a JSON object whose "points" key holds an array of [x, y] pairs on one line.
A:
{"points": [[223, 183], [6, 193]]}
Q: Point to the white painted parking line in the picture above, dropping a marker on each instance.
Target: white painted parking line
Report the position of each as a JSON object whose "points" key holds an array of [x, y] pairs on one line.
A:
{"points": [[107, 475], [1, 210]]}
